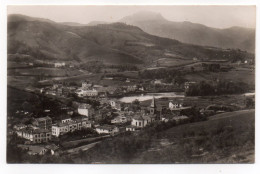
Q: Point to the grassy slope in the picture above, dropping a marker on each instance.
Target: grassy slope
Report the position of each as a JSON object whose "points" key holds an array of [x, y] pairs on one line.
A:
{"points": [[187, 137]]}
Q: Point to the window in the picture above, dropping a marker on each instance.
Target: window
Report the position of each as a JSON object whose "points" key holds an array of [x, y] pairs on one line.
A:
{"points": [[140, 123]]}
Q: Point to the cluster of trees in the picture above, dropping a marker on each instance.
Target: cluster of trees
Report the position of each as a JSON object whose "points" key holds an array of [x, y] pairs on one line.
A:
{"points": [[167, 75], [87, 132], [161, 73], [223, 87], [92, 66], [92, 102], [211, 67]]}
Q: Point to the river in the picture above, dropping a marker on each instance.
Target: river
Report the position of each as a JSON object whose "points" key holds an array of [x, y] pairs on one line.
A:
{"points": [[149, 96]]}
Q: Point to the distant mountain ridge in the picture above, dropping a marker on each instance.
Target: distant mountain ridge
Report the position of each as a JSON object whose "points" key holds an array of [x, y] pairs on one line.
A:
{"points": [[115, 43], [188, 32]]}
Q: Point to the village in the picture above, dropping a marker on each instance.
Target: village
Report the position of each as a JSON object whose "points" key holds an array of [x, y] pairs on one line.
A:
{"points": [[81, 121]]}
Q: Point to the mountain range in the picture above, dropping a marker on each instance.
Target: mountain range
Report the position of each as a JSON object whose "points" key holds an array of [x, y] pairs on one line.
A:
{"points": [[187, 32], [115, 43]]}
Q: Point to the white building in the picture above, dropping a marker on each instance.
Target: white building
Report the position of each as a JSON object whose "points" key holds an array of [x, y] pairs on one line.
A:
{"points": [[141, 121], [107, 129], [59, 64], [130, 128], [119, 119], [35, 135], [86, 110], [76, 124], [115, 105], [86, 92], [173, 105]]}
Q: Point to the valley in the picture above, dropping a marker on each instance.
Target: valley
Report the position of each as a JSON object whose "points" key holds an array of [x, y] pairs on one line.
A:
{"points": [[140, 90]]}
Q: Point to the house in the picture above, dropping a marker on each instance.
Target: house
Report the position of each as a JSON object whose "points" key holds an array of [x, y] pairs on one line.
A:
{"points": [[86, 85], [130, 128], [19, 126], [141, 121], [59, 64], [43, 122], [75, 124], [35, 135], [86, 92], [187, 85], [141, 88], [56, 86], [86, 110], [52, 148], [157, 82], [33, 150], [107, 129], [119, 119], [174, 104], [115, 105], [131, 88], [65, 118]]}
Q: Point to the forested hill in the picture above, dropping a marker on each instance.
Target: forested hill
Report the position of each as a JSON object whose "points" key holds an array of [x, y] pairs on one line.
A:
{"points": [[116, 43]]}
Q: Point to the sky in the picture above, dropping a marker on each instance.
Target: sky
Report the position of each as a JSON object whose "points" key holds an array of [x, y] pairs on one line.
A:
{"points": [[212, 16]]}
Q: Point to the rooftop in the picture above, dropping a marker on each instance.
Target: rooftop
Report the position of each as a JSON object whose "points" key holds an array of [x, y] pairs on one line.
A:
{"points": [[108, 127], [85, 106], [43, 118], [34, 131]]}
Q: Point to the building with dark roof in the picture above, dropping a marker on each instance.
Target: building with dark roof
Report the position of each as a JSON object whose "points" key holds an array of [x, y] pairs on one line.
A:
{"points": [[35, 135], [141, 121], [43, 122]]}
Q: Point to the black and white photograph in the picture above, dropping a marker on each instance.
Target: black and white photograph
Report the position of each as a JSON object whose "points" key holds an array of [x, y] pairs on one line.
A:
{"points": [[130, 84]]}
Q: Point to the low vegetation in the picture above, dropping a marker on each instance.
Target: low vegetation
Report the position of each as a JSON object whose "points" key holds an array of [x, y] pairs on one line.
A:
{"points": [[217, 88]]}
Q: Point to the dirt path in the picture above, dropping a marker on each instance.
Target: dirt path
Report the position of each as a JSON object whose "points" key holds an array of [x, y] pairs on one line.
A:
{"points": [[83, 148]]}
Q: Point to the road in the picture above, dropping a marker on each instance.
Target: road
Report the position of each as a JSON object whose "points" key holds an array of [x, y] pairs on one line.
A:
{"points": [[75, 142], [83, 148]]}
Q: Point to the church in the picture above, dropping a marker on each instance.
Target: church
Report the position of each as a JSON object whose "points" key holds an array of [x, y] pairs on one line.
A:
{"points": [[155, 110]]}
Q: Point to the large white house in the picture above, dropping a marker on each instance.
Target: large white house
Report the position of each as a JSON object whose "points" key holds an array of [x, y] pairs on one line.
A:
{"points": [[70, 126], [35, 135]]}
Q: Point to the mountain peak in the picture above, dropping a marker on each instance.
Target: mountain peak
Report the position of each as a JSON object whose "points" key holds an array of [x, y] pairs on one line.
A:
{"points": [[143, 16]]}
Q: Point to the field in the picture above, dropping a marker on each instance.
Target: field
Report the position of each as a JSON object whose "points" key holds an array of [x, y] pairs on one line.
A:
{"points": [[224, 138], [172, 62], [245, 75], [202, 102], [44, 71]]}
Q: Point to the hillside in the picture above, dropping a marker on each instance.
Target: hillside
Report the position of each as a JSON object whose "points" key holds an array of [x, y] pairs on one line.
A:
{"points": [[187, 32], [223, 138], [116, 43]]}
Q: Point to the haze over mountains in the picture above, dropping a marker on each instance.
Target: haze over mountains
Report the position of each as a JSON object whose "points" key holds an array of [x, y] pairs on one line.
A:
{"points": [[116, 43], [187, 32]]}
